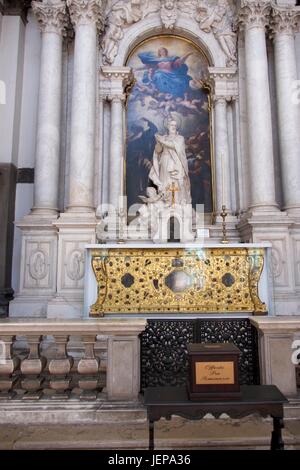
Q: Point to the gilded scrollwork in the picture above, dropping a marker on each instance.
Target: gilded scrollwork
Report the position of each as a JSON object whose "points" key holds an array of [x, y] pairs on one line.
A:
{"points": [[256, 264], [173, 280]]}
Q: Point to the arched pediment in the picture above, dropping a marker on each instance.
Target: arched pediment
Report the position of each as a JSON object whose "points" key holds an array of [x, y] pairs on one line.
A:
{"points": [[207, 24]]}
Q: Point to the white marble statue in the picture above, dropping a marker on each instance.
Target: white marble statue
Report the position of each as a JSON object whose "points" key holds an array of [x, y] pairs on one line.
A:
{"points": [[170, 168]]}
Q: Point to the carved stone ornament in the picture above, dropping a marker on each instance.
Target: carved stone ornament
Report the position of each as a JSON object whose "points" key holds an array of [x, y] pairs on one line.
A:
{"points": [[86, 12], [168, 13], [284, 20], [122, 15], [218, 18], [75, 265], [212, 17], [52, 18], [38, 265], [254, 14]]}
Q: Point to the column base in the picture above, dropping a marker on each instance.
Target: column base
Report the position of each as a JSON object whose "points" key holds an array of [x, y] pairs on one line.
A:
{"points": [[44, 211], [28, 307], [65, 309], [275, 341], [75, 230], [38, 221], [38, 266], [293, 211], [283, 233], [80, 209], [264, 209]]}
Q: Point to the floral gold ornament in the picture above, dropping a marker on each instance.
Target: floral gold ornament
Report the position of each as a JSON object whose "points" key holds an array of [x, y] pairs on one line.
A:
{"points": [[191, 280]]}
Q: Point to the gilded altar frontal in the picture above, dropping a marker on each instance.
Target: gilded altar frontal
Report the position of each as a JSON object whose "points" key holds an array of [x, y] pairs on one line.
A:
{"points": [[131, 280]]}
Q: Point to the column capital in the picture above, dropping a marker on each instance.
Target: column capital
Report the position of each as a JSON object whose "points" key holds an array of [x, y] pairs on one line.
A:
{"points": [[124, 74], [223, 81], [84, 12], [116, 98], [52, 17], [118, 81], [220, 100], [253, 14], [284, 20]]}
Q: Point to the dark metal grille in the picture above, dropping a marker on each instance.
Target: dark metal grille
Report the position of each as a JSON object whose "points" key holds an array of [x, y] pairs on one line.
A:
{"points": [[164, 352]]}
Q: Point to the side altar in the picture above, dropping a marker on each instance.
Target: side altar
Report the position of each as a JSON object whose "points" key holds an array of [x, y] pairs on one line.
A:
{"points": [[147, 278]]}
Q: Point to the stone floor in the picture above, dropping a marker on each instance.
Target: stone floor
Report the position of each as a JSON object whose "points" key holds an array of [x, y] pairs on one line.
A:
{"points": [[248, 433]]}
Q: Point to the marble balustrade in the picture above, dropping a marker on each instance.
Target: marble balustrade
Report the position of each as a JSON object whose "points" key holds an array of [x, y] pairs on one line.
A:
{"points": [[41, 360]]}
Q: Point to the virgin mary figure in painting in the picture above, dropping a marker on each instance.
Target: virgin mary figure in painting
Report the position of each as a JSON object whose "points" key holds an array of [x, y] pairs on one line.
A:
{"points": [[170, 168], [167, 73]]}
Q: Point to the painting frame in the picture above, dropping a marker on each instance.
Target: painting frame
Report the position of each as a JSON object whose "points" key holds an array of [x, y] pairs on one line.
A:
{"points": [[206, 88]]}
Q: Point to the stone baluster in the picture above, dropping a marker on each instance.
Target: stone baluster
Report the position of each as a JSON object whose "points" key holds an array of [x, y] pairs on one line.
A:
{"points": [[88, 369], [253, 18], [52, 19], [86, 16], [8, 365], [284, 24], [32, 367], [60, 367]]}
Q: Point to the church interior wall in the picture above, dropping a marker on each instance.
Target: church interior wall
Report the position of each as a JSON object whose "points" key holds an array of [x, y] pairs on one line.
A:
{"points": [[11, 76], [11, 66], [30, 87], [27, 139]]}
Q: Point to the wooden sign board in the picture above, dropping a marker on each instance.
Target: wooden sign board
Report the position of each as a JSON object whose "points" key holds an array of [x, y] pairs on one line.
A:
{"points": [[213, 371]]}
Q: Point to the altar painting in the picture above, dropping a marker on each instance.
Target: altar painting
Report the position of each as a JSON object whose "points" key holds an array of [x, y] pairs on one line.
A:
{"points": [[169, 74]]}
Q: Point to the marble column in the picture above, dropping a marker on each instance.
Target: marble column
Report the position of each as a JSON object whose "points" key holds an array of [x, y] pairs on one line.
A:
{"points": [[86, 16], [52, 20], [116, 173], [253, 18], [223, 196], [116, 80], [284, 24]]}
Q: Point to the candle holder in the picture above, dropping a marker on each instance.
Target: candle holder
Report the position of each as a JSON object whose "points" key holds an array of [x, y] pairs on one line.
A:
{"points": [[224, 214]]}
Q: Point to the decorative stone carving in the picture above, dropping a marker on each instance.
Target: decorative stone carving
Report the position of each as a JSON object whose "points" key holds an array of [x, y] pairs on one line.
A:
{"points": [[38, 265], [52, 18], [284, 20], [218, 19], [168, 13], [254, 14], [72, 263], [277, 262], [38, 268], [121, 16], [86, 12], [75, 265], [296, 256]]}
